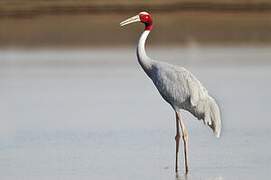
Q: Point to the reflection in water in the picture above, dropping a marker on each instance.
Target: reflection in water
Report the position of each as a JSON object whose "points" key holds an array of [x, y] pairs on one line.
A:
{"points": [[181, 177], [191, 177]]}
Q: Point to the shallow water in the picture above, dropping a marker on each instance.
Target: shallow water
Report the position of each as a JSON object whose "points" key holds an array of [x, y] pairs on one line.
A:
{"points": [[100, 117]]}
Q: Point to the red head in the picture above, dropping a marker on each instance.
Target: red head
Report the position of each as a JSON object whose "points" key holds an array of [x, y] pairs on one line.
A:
{"points": [[143, 17], [146, 19]]}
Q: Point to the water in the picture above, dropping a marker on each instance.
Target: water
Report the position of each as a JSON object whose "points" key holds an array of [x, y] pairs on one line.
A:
{"points": [[92, 116]]}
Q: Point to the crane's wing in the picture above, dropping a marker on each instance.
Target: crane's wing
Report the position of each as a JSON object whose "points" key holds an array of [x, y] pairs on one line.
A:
{"points": [[203, 105], [179, 86], [197, 91]]}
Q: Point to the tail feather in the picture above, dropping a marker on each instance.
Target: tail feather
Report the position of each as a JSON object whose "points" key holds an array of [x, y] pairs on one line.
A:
{"points": [[215, 117]]}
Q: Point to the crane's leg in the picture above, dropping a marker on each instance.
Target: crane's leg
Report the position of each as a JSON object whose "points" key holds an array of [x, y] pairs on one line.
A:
{"points": [[185, 140], [177, 139]]}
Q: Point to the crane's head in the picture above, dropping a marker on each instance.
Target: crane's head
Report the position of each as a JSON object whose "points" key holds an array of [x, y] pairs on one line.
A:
{"points": [[143, 17]]}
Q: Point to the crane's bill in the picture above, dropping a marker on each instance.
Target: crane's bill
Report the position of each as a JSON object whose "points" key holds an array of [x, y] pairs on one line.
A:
{"points": [[130, 20]]}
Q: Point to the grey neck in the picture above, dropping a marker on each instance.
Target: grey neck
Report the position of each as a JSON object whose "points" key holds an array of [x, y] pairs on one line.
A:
{"points": [[142, 57]]}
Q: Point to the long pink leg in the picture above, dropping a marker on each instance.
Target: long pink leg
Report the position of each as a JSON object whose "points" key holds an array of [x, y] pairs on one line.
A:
{"points": [[185, 141], [177, 139]]}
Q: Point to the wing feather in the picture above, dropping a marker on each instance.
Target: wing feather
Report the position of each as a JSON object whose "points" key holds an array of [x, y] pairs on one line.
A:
{"points": [[182, 90], [203, 103]]}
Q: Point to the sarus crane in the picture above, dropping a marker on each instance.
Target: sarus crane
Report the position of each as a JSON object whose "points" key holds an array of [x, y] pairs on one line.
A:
{"points": [[179, 87]]}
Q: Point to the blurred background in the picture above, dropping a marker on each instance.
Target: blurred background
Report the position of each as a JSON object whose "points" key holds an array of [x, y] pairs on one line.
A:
{"points": [[66, 23], [75, 104]]}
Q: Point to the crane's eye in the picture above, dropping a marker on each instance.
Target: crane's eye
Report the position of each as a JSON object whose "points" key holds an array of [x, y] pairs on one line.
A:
{"points": [[144, 18]]}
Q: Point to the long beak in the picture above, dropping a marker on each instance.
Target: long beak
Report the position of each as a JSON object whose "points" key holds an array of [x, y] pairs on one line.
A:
{"points": [[130, 20]]}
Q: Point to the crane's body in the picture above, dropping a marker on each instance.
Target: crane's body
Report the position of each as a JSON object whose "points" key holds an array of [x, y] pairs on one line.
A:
{"points": [[178, 87]]}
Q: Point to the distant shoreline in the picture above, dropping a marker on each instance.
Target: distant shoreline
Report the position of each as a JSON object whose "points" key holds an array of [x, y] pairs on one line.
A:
{"points": [[74, 9], [82, 23]]}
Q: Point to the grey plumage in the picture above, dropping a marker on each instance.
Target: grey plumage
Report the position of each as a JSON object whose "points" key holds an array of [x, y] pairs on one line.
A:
{"points": [[182, 90]]}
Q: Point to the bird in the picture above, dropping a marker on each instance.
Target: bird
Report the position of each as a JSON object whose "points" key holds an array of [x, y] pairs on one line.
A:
{"points": [[179, 88]]}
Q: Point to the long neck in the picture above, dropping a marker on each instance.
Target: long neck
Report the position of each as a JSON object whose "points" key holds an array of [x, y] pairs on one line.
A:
{"points": [[142, 57]]}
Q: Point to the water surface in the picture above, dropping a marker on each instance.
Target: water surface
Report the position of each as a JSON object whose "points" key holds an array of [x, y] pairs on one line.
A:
{"points": [[83, 115]]}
